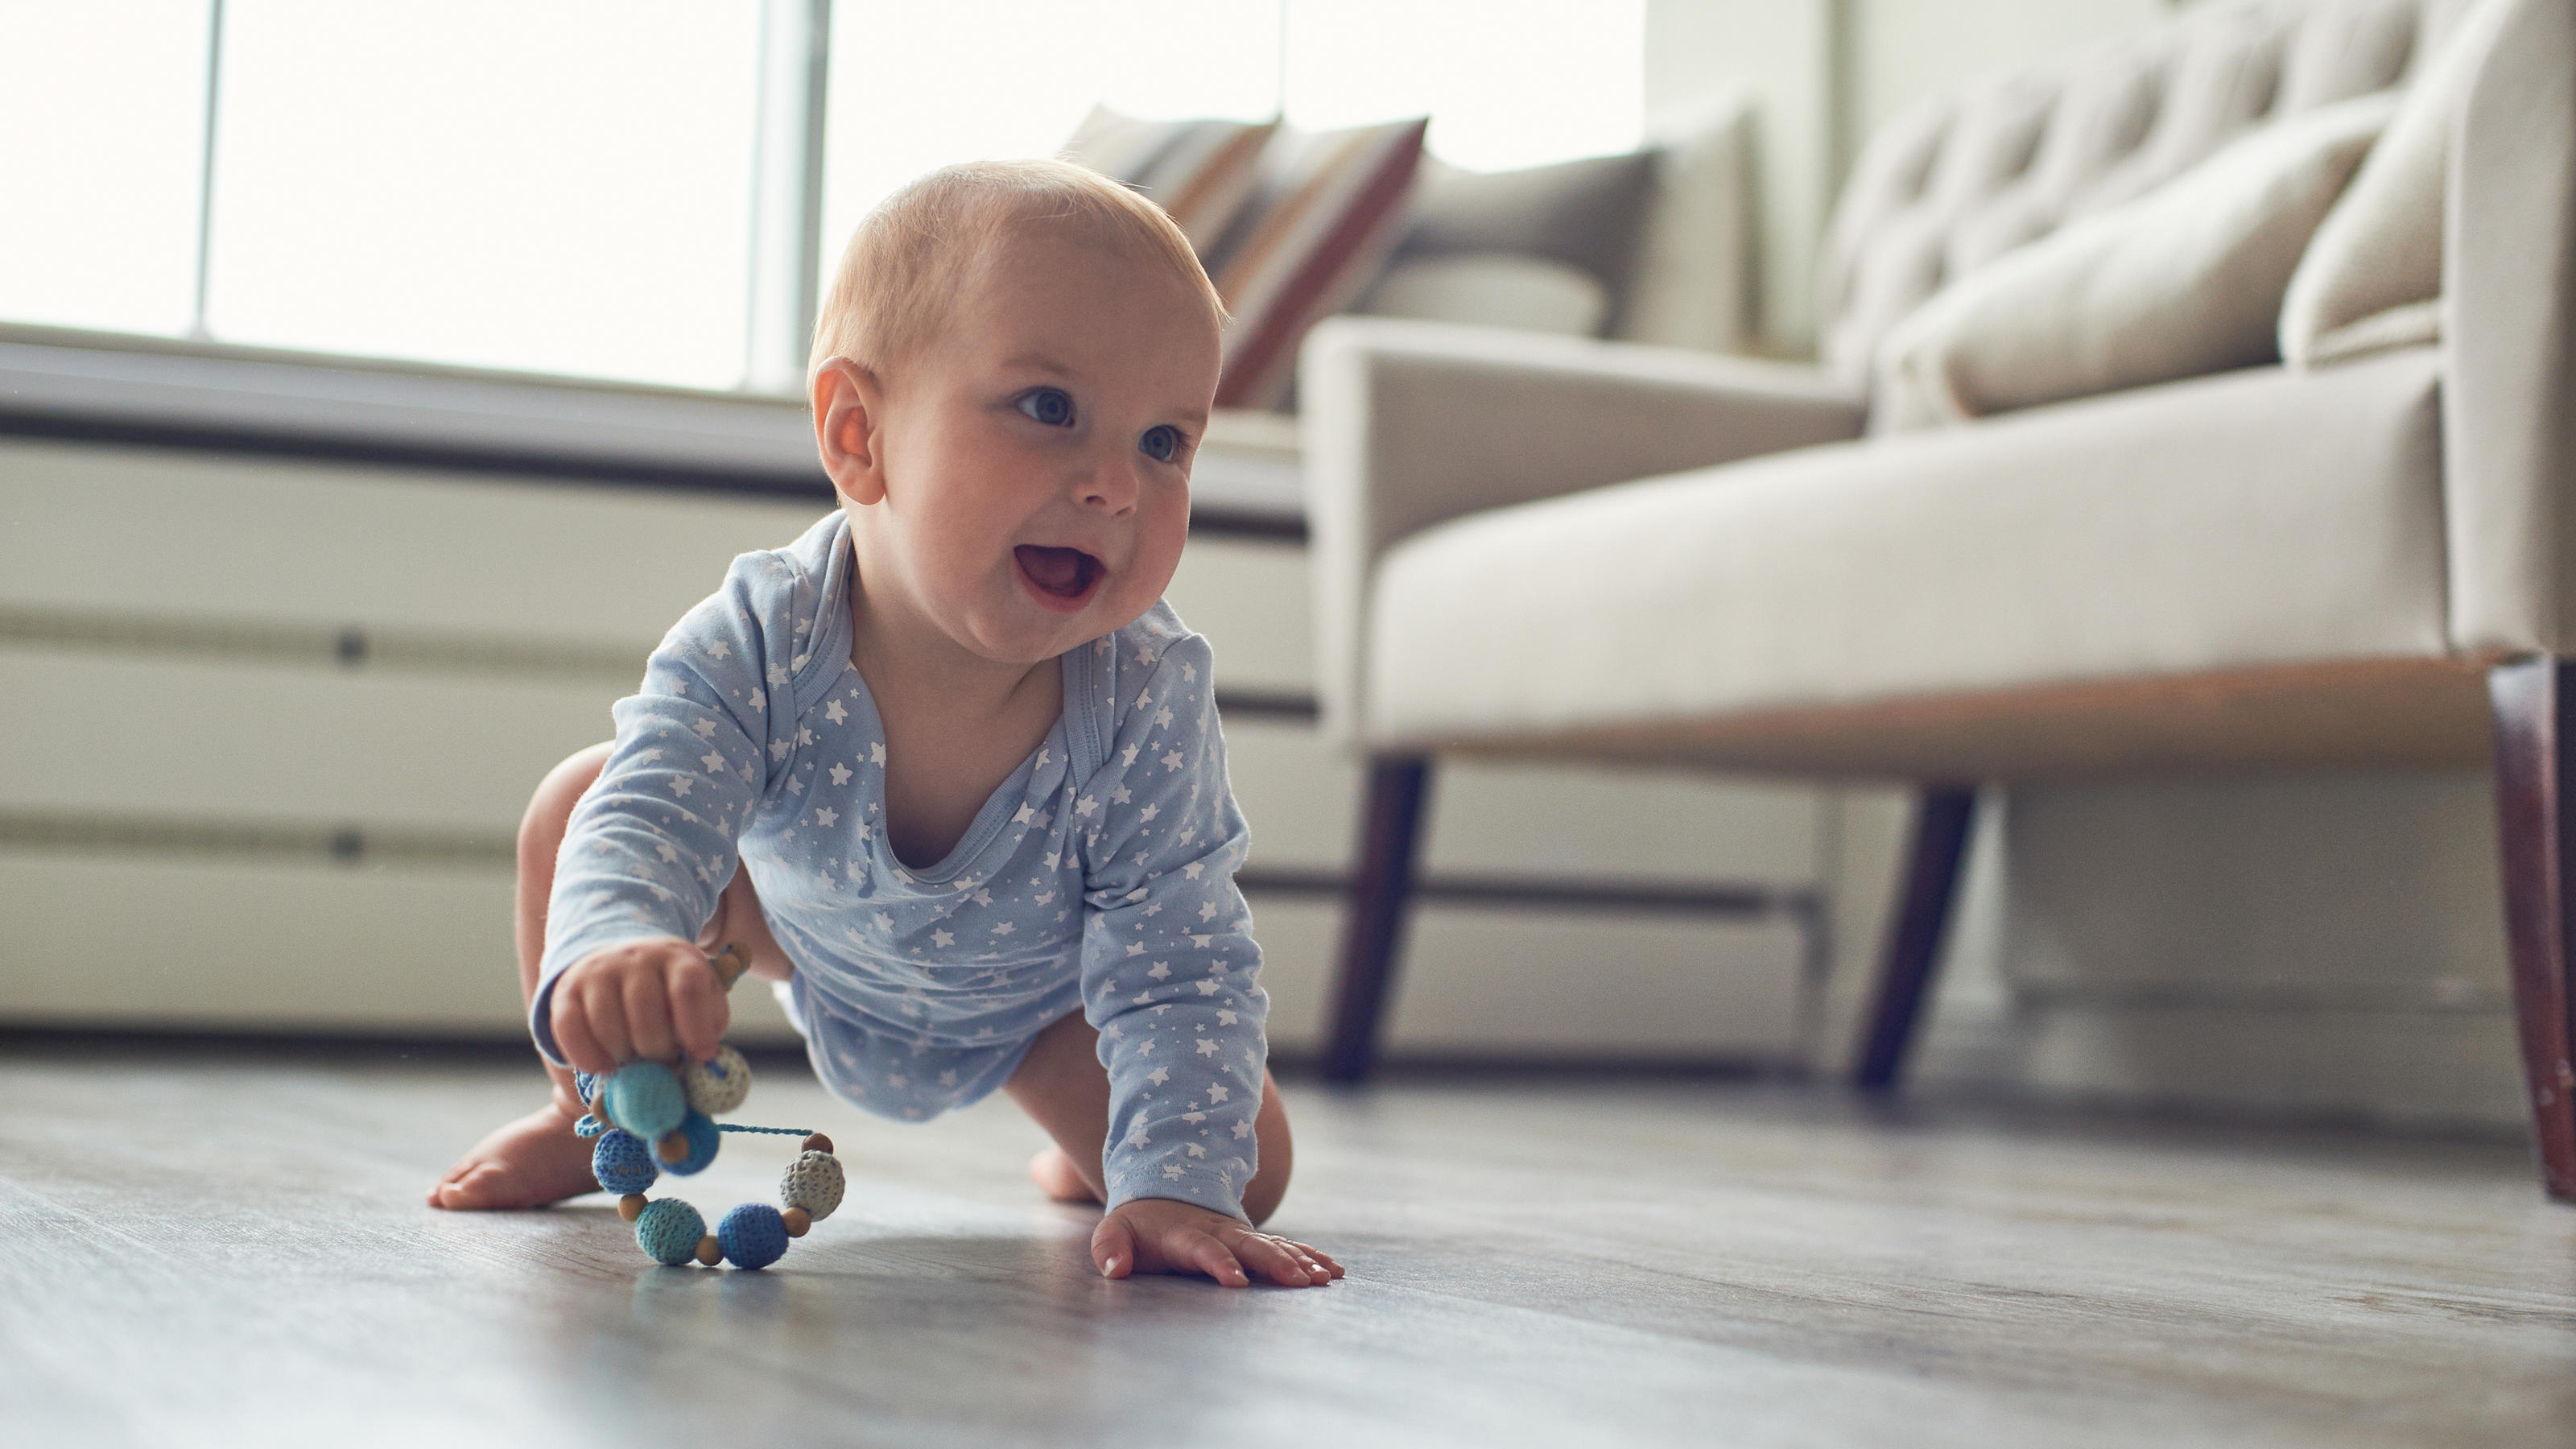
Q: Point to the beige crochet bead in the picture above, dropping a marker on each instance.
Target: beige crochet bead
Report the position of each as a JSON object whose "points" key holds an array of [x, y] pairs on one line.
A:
{"points": [[717, 1087], [814, 1182]]}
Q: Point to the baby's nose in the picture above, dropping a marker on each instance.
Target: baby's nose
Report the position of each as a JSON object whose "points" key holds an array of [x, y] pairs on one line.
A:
{"points": [[1110, 484]]}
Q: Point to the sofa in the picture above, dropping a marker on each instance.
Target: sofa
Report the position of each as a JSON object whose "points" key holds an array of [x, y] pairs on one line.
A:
{"points": [[2027, 517]]}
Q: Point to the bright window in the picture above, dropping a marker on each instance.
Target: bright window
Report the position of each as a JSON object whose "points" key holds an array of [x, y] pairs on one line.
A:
{"points": [[558, 187], [567, 187], [103, 107], [1508, 83], [919, 86]]}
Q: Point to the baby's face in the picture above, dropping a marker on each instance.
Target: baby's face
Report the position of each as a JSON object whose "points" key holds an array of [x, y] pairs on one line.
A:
{"points": [[1036, 454]]}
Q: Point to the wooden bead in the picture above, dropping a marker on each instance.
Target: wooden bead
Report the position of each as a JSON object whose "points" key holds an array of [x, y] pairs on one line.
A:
{"points": [[674, 1146], [797, 1220], [710, 1252], [818, 1143], [631, 1206]]}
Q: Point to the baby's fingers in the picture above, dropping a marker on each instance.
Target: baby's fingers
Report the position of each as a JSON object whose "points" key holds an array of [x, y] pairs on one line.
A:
{"points": [[1280, 1261], [573, 1038], [648, 1018], [603, 1015], [1322, 1260], [699, 1014], [1188, 1248], [1113, 1248]]}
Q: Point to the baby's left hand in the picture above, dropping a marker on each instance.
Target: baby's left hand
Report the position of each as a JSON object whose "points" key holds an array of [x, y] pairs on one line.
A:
{"points": [[1165, 1235]]}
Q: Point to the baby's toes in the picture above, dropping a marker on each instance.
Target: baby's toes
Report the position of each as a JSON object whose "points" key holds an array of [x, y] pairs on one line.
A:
{"points": [[467, 1186]]}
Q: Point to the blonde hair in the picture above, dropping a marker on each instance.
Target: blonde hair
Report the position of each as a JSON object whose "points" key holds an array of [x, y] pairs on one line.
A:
{"points": [[913, 252]]}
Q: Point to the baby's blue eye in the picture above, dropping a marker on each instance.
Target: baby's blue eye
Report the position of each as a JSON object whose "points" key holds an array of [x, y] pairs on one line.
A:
{"points": [[1162, 442], [1048, 405]]}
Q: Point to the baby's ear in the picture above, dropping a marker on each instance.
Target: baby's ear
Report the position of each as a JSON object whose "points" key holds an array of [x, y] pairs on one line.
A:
{"points": [[848, 407]]}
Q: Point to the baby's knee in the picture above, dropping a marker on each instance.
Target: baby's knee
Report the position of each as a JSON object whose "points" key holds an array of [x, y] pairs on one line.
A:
{"points": [[550, 809], [1278, 1156], [1261, 1199]]}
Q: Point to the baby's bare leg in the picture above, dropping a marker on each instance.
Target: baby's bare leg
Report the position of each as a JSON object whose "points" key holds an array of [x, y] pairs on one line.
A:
{"points": [[1062, 1085], [536, 1159]]}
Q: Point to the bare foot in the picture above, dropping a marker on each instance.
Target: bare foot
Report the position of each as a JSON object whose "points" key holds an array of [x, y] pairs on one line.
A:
{"points": [[1053, 1172], [528, 1163]]}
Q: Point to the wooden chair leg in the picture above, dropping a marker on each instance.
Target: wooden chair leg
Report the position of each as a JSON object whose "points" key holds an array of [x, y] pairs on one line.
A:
{"points": [[1932, 861], [2534, 706], [1373, 930]]}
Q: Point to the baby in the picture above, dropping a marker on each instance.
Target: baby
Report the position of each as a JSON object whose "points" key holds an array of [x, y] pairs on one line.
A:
{"points": [[946, 767]]}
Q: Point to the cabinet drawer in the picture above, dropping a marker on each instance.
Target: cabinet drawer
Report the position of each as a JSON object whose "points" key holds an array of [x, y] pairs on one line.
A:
{"points": [[1481, 981], [144, 941], [133, 531], [1300, 795], [1545, 822], [171, 736], [1252, 601], [1555, 822]]}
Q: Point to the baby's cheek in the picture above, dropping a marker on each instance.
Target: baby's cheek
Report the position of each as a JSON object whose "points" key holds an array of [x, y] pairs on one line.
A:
{"points": [[1158, 548]]}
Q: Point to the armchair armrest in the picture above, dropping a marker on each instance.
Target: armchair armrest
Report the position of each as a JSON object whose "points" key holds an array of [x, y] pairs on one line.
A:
{"points": [[1409, 424], [2509, 327]]}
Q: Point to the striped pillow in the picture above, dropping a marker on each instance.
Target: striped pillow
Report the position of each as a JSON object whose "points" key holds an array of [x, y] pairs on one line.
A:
{"points": [[1199, 171], [1328, 210]]}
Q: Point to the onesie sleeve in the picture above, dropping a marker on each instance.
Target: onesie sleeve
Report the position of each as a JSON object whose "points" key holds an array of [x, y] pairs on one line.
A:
{"points": [[1170, 973], [698, 747]]}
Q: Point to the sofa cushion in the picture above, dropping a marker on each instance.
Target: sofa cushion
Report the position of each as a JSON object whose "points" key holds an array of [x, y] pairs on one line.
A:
{"points": [[1957, 181], [1692, 282], [2184, 281], [1582, 214], [1200, 171], [2370, 275], [2252, 519], [1314, 236], [1492, 289]]}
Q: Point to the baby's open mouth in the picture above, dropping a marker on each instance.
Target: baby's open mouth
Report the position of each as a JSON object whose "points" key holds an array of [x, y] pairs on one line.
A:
{"points": [[1065, 573]]}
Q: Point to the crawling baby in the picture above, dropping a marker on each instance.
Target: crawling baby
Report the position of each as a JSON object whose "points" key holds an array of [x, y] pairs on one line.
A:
{"points": [[947, 768]]}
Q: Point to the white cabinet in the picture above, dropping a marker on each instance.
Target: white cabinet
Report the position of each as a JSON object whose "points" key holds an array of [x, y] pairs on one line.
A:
{"points": [[267, 727]]}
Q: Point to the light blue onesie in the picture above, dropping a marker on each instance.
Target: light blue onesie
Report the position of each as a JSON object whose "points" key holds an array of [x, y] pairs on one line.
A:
{"points": [[1099, 876]]}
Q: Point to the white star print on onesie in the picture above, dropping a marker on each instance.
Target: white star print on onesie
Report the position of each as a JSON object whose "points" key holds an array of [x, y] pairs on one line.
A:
{"points": [[919, 989]]}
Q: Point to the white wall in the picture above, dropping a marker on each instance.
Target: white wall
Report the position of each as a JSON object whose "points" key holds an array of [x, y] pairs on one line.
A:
{"points": [[1781, 53]]}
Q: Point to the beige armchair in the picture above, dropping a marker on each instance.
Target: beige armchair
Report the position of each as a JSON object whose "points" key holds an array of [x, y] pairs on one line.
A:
{"points": [[1546, 547]]}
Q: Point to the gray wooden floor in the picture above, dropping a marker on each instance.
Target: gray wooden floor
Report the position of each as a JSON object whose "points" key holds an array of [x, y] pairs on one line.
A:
{"points": [[220, 1250]]}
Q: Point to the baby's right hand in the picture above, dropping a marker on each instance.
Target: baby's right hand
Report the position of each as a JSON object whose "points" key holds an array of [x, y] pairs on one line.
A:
{"points": [[653, 1000]]}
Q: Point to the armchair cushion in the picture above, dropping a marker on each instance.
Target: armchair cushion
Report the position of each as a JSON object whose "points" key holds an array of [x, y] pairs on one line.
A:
{"points": [[1406, 424], [1582, 214], [2252, 519]]}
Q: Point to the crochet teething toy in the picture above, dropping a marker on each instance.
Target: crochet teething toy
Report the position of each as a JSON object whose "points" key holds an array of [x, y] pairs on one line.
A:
{"points": [[675, 1111]]}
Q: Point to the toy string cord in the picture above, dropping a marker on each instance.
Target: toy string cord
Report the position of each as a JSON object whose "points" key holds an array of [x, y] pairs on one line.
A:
{"points": [[591, 1126]]}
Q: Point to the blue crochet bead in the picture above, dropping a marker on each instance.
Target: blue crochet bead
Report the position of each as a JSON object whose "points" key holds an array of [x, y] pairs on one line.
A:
{"points": [[645, 1099], [583, 1084], [668, 1231], [622, 1163], [704, 1139], [752, 1235]]}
